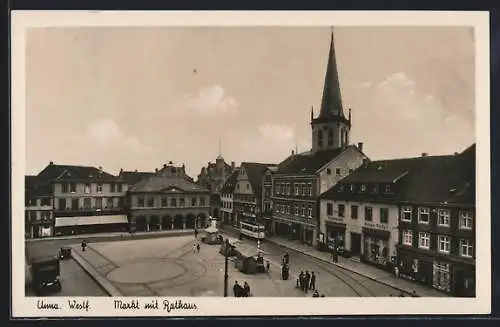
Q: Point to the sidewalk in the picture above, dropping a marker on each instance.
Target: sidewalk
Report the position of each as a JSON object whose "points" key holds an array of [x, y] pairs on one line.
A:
{"points": [[122, 235], [359, 268]]}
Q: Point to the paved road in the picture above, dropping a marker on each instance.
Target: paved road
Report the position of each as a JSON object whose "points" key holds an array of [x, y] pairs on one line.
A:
{"points": [[330, 279], [74, 280]]}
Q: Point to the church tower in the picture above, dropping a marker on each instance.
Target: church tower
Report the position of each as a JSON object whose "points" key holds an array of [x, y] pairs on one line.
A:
{"points": [[331, 129]]}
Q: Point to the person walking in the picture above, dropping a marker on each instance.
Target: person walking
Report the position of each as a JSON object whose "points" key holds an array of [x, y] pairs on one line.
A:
{"points": [[195, 233], [312, 285], [301, 280], [246, 290], [268, 265], [198, 247], [194, 247], [84, 245], [237, 290], [307, 281], [396, 271]]}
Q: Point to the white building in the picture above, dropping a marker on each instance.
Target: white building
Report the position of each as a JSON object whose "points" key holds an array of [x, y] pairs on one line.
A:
{"points": [[227, 194]]}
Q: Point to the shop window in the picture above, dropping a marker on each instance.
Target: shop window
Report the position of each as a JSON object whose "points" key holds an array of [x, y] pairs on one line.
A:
{"points": [[465, 220], [408, 237], [444, 217], [423, 215], [441, 276], [444, 244], [376, 250], [466, 249], [368, 214], [424, 240], [329, 209], [341, 209], [354, 212], [384, 215]]}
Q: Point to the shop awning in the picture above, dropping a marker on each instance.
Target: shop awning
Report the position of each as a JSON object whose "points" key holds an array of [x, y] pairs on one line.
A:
{"points": [[91, 220]]}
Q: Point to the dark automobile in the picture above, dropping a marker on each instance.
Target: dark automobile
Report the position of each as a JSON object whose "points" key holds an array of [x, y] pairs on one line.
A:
{"points": [[45, 273], [65, 253]]}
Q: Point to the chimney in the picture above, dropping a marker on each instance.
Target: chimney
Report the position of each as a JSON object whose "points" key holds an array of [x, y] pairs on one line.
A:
{"points": [[51, 163], [156, 170], [164, 165], [170, 163], [293, 152], [360, 146], [121, 170], [232, 164], [100, 169], [136, 170], [424, 154]]}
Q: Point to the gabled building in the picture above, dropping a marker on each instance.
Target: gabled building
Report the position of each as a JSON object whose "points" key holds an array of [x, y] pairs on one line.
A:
{"points": [[302, 177], [247, 199], [416, 213], [227, 193], [82, 199], [168, 200]]}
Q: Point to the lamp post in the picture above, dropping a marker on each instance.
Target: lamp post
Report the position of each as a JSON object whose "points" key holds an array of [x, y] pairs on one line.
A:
{"points": [[226, 252]]}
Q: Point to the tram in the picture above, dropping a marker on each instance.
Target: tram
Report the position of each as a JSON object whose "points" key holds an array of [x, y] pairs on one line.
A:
{"points": [[252, 230]]}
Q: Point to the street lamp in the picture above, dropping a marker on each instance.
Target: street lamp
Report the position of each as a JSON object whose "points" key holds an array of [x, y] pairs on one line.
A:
{"points": [[226, 253]]}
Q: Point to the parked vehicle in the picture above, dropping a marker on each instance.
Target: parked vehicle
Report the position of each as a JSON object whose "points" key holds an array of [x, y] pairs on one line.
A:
{"points": [[252, 230], [65, 253], [45, 273]]}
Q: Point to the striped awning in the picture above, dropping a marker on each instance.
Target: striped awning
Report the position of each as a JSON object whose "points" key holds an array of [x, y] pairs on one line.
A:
{"points": [[91, 220]]}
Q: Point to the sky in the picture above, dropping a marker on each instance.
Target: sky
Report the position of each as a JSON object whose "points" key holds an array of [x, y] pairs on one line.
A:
{"points": [[138, 97]]}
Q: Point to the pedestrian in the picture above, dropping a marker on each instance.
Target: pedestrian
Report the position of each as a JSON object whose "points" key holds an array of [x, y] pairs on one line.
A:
{"points": [[194, 247], [195, 233], [396, 271], [312, 285], [286, 258], [268, 265], [413, 294], [315, 294], [198, 247], [84, 245], [237, 290], [307, 281], [246, 290], [301, 280]]}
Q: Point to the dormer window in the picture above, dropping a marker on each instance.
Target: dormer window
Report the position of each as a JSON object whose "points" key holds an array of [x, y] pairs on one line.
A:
{"points": [[375, 188], [351, 187], [363, 187], [388, 188], [341, 188]]}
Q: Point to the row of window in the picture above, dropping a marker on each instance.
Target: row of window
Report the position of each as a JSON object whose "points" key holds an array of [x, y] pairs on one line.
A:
{"points": [[338, 171], [37, 215], [302, 211], [86, 203], [368, 212], [35, 202], [164, 203], [300, 189], [227, 205], [465, 220], [444, 243], [364, 188], [87, 187]]}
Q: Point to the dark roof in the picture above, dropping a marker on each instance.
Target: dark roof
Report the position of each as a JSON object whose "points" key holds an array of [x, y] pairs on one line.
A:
{"points": [[230, 183], [134, 177], [73, 173], [255, 172], [446, 179], [308, 163], [34, 187], [161, 183]]}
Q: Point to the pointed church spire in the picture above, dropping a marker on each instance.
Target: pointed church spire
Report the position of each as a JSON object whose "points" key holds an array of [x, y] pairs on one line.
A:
{"points": [[331, 104]]}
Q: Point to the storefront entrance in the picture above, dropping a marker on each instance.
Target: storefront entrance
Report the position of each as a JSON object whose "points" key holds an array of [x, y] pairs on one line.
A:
{"points": [[355, 244]]}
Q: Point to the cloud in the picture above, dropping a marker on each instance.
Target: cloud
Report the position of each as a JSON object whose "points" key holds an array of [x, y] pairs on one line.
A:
{"points": [[211, 100], [106, 134], [279, 133]]}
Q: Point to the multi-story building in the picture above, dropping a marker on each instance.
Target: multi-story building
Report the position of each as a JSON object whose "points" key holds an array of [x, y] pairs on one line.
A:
{"points": [[267, 200], [227, 193], [39, 213], [213, 178], [85, 199], [247, 199], [133, 177], [360, 213], [302, 177], [437, 225], [168, 200]]}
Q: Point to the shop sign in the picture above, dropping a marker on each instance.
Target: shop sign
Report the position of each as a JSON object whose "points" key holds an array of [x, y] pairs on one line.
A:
{"points": [[369, 224], [336, 219]]}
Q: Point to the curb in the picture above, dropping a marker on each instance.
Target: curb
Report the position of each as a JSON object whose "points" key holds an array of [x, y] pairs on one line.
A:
{"points": [[104, 283], [345, 268], [122, 237]]}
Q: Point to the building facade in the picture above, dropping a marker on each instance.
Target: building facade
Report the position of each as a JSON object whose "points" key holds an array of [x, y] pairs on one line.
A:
{"points": [[267, 199], [39, 213], [168, 200], [302, 177], [437, 226], [227, 193], [247, 199]]}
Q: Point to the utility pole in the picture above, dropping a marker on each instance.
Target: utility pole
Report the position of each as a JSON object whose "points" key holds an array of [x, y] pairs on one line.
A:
{"points": [[226, 252]]}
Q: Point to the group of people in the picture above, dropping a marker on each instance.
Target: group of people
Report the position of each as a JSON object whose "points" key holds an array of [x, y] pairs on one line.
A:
{"points": [[240, 291], [306, 281]]}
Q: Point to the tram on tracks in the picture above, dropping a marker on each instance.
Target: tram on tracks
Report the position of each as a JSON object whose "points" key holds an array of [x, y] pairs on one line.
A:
{"points": [[252, 230]]}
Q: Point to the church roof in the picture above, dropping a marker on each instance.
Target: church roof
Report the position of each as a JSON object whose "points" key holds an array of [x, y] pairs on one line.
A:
{"points": [[308, 163]]}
